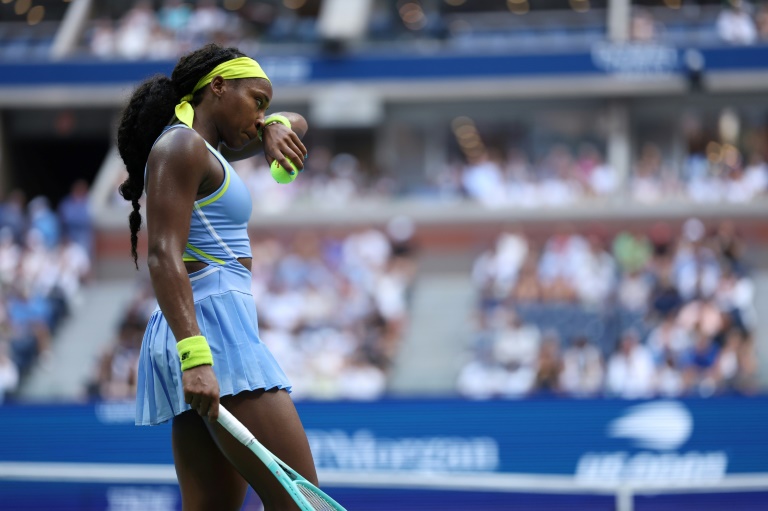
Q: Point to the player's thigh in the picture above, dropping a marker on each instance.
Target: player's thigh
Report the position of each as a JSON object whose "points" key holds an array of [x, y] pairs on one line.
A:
{"points": [[273, 420], [206, 478]]}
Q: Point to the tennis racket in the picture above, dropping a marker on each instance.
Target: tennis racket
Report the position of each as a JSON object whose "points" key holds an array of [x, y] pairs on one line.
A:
{"points": [[308, 496]]}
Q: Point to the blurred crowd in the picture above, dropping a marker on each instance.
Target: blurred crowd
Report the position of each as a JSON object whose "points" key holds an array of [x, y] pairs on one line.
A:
{"points": [[331, 310], [742, 23], [327, 181], [718, 173], [165, 29], [45, 258], [177, 27], [733, 22], [559, 178], [643, 314], [563, 177]]}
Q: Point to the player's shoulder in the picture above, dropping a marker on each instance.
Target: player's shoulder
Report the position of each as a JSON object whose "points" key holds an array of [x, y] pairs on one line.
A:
{"points": [[179, 146]]}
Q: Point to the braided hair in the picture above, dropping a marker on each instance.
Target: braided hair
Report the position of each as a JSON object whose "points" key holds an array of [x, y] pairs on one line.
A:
{"points": [[149, 110]]}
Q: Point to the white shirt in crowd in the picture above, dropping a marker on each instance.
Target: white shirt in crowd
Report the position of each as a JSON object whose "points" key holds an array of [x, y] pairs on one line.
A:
{"points": [[484, 182], [736, 26], [582, 371], [9, 374], [631, 375], [517, 344], [481, 380], [362, 382]]}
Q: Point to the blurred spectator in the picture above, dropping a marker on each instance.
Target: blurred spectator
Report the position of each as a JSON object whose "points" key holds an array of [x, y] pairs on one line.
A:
{"points": [[582, 374], [118, 365], [103, 39], [736, 297], [29, 320], [648, 182], [696, 269], [12, 214], [634, 291], [133, 39], [74, 268], [496, 271], [549, 366], [603, 180], [481, 378], [361, 380], [669, 340], [9, 373], [10, 255], [630, 372], [665, 298], [44, 221], [762, 22], [735, 24], [728, 242], [642, 28], [701, 360], [75, 215], [734, 369], [482, 181], [207, 20], [632, 251], [562, 256], [515, 342], [174, 16], [670, 381], [595, 274]]}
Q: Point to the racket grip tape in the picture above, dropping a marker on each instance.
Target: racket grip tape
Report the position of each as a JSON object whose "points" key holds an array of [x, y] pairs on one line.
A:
{"points": [[234, 426]]}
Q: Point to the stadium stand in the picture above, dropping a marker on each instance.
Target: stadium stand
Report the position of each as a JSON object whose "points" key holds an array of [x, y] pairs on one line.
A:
{"points": [[642, 315], [45, 258]]}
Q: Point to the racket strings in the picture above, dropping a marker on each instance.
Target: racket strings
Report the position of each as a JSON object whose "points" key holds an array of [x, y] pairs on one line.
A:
{"points": [[318, 503]]}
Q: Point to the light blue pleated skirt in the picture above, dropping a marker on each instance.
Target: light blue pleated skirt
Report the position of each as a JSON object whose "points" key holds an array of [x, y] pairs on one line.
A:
{"points": [[226, 315]]}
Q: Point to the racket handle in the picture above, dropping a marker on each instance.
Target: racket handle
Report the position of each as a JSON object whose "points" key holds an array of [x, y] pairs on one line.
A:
{"points": [[234, 426]]}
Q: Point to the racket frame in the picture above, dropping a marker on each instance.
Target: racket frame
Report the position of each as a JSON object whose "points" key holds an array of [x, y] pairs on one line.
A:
{"points": [[277, 467]]}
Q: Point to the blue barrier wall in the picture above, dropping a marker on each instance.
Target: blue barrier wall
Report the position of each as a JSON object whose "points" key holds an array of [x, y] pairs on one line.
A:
{"points": [[592, 441], [604, 59], [531, 436]]}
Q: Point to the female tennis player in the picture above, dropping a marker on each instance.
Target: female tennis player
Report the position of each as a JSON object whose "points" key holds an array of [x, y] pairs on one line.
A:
{"points": [[202, 345]]}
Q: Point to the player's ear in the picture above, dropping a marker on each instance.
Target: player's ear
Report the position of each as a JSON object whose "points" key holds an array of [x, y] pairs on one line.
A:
{"points": [[218, 85]]}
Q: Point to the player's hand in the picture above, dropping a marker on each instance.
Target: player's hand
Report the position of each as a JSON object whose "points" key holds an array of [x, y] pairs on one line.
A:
{"points": [[201, 391], [282, 144]]}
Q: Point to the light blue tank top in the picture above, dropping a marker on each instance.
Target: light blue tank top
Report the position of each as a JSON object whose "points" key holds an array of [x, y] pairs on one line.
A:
{"points": [[218, 230]]}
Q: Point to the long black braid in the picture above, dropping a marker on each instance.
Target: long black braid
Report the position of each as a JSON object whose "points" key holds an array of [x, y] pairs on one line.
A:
{"points": [[149, 110]]}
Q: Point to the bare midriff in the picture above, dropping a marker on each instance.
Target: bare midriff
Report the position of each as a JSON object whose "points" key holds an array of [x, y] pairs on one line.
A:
{"points": [[193, 266]]}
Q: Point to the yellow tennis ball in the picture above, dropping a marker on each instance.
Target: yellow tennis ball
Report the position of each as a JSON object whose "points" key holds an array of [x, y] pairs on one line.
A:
{"points": [[281, 175]]}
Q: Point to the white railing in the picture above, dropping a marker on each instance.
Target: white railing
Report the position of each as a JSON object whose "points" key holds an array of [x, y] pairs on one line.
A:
{"points": [[624, 493]]}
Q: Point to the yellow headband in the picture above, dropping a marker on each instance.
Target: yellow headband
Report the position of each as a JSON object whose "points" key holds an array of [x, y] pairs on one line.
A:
{"points": [[242, 67]]}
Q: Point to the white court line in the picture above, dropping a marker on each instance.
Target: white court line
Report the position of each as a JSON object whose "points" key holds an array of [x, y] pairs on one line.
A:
{"points": [[495, 482]]}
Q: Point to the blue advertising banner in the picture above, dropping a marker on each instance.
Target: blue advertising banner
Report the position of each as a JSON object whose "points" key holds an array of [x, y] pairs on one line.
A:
{"points": [[643, 60], [690, 438], [592, 442]]}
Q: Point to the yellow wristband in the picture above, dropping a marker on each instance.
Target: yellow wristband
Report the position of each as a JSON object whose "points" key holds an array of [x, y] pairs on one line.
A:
{"points": [[194, 351], [273, 119]]}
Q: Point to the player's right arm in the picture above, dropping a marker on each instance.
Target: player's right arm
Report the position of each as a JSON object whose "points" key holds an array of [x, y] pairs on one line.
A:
{"points": [[177, 166]]}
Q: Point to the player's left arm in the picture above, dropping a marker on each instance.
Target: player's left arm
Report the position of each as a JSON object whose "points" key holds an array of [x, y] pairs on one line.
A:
{"points": [[276, 138]]}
